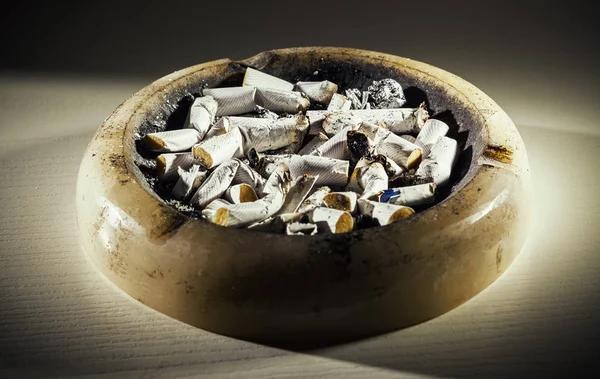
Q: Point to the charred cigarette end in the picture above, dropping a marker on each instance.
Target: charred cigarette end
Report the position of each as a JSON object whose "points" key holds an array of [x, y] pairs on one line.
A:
{"points": [[358, 144], [253, 158]]}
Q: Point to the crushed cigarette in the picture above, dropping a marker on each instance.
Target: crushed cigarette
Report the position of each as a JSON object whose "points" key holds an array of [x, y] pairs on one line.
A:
{"points": [[261, 156]]}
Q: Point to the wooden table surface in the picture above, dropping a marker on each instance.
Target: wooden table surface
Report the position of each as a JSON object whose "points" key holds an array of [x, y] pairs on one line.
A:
{"points": [[60, 317]]}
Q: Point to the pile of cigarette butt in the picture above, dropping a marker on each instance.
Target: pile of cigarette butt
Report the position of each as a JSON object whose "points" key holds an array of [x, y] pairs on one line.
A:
{"points": [[262, 156]]}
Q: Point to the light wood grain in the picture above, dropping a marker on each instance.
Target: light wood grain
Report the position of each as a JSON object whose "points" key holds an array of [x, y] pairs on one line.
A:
{"points": [[60, 317]]}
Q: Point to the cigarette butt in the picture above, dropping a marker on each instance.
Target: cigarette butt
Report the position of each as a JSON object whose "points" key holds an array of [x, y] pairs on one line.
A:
{"points": [[438, 165], [313, 144], [335, 147], [331, 171], [215, 185], [369, 178], [387, 93], [202, 114], [247, 213], [299, 189], [172, 141], [167, 164], [255, 78], [240, 193], [397, 120], [331, 220], [245, 174], [265, 134], [314, 200], [214, 151], [396, 148], [301, 229], [384, 213], [421, 194], [220, 127], [409, 138], [430, 133], [281, 101], [189, 181], [343, 201], [339, 102], [320, 92], [216, 212], [233, 100], [300, 131], [337, 121]]}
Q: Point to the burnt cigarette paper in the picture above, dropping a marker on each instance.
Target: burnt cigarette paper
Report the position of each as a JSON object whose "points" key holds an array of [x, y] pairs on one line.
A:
{"points": [[281, 101], [430, 134], [167, 164], [255, 78], [300, 188], [240, 193], [320, 92], [264, 134], [232, 100], [222, 126], [343, 201], [301, 229], [387, 93], [313, 144], [172, 141], [438, 165], [216, 150], [333, 172], [202, 114], [398, 120], [331, 220], [189, 181], [384, 213], [339, 102], [314, 200], [358, 144], [215, 185], [421, 194], [368, 179], [338, 121]]}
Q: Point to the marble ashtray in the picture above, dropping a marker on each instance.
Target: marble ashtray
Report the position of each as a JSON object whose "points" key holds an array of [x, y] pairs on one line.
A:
{"points": [[312, 289]]}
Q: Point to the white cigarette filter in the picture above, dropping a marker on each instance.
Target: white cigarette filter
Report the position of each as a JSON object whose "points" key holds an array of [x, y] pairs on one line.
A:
{"points": [[189, 181], [264, 134], [167, 164], [438, 165], [246, 174], [222, 126], [202, 114], [320, 92], [244, 214], [339, 102], [429, 135], [232, 100], [396, 148], [421, 194], [216, 150], [338, 121], [215, 185], [240, 193], [384, 213], [313, 144], [387, 93], [300, 188], [336, 147], [343, 201], [281, 101], [314, 200], [332, 220], [255, 78], [332, 172], [301, 229], [172, 141], [368, 178]]}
